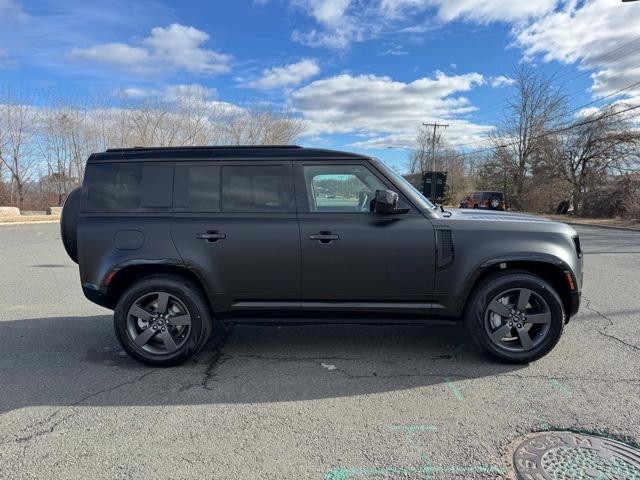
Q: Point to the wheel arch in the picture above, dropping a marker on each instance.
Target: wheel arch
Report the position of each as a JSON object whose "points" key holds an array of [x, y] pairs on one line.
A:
{"points": [[550, 268], [121, 278]]}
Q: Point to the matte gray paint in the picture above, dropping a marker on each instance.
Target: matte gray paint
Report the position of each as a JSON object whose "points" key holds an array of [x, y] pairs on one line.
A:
{"points": [[378, 263]]}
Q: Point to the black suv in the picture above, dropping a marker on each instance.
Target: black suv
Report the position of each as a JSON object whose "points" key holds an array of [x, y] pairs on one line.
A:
{"points": [[180, 242]]}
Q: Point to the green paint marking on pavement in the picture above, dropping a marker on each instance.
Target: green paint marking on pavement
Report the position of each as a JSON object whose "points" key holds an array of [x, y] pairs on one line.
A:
{"points": [[542, 424], [558, 385], [426, 471], [410, 432], [454, 389]]}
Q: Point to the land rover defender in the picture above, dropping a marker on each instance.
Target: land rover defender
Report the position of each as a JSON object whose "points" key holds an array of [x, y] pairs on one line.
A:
{"points": [[181, 241]]}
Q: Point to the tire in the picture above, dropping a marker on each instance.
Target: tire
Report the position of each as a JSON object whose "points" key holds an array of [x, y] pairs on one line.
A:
{"points": [[172, 340], [494, 203], [69, 223], [541, 321]]}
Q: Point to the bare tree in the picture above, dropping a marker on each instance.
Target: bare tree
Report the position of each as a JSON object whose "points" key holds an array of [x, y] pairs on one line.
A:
{"points": [[447, 160], [259, 125], [17, 130], [66, 137], [535, 109], [603, 143]]}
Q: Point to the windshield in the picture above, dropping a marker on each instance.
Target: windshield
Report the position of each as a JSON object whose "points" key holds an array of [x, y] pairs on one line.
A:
{"points": [[415, 195]]}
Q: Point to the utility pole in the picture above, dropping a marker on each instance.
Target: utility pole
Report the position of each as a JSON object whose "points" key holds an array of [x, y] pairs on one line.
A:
{"points": [[434, 175]]}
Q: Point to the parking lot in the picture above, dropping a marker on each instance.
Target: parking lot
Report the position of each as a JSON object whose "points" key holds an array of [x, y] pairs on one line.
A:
{"points": [[303, 402]]}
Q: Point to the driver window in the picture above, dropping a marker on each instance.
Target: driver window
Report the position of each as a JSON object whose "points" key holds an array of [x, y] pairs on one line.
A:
{"points": [[340, 188]]}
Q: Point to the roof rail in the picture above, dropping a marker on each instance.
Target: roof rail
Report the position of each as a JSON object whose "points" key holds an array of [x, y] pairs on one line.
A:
{"points": [[203, 147]]}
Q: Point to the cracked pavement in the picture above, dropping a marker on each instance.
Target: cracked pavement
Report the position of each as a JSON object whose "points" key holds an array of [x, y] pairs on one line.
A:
{"points": [[298, 402]]}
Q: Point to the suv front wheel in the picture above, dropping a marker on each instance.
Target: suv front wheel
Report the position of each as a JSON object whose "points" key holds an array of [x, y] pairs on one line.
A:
{"points": [[162, 321], [515, 317]]}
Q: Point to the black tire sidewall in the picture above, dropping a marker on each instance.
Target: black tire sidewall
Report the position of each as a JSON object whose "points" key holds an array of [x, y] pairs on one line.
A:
{"points": [[201, 321], [492, 286]]}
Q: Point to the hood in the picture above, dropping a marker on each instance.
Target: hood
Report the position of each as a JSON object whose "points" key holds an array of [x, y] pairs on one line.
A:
{"points": [[493, 215], [503, 221]]}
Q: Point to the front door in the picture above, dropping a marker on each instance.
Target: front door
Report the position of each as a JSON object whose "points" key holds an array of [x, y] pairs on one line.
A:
{"points": [[235, 223], [353, 258]]}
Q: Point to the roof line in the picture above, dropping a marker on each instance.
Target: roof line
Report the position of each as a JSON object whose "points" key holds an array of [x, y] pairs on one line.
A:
{"points": [[203, 147]]}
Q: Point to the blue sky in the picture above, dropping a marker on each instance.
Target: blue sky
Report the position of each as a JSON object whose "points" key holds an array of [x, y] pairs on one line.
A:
{"points": [[364, 75]]}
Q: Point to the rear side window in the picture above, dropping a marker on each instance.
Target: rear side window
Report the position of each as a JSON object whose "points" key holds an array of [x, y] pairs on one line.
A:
{"points": [[128, 187], [197, 188], [256, 188]]}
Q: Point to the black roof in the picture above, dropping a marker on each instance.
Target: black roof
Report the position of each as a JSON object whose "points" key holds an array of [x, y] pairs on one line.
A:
{"points": [[221, 152]]}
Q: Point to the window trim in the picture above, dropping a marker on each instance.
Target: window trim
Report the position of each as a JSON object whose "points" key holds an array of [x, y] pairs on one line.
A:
{"points": [[302, 194], [140, 210], [287, 170], [180, 209]]}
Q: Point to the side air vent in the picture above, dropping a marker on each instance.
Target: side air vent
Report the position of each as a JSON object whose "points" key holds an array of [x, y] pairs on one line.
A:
{"points": [[576, 243], [446, 248]]}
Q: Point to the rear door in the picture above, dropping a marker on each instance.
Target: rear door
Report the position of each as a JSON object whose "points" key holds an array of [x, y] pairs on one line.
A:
{"points": [[353, 258], [235, 223]]}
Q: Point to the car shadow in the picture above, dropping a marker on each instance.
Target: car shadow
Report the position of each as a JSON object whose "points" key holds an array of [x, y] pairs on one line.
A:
{"points": [[76, 361]]}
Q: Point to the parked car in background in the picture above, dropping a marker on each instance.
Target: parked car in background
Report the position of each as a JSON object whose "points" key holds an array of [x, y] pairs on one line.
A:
{"points": [[490, 200]]}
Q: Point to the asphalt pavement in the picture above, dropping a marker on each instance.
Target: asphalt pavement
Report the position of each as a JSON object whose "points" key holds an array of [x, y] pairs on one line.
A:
{"points": [[298, 402]]}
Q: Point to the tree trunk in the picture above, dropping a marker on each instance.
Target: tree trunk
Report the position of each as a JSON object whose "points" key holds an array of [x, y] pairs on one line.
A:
{"points": [[577, 198]]}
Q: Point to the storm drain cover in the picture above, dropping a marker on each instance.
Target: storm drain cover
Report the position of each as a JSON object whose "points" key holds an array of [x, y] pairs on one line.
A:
{"points": [[571, 456]]}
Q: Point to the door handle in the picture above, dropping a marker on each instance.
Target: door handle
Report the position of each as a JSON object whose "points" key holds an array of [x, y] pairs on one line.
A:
{"points": [[324, 237], [211, 236]]}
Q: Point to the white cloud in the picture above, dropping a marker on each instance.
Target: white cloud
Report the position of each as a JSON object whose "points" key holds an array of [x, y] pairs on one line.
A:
{"points": [[194, 90], [502, 81], [387, 111], [118, 53], [5, 61], [584, 32], [342, 22], [338, 27], [170, 93], [327, 12], [482, 11], [182, 46], [176, 47], [485, 11], [13, 9], [286, 76], [133, 92]]}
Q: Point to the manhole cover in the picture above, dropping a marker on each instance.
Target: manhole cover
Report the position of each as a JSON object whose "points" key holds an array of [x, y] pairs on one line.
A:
{"points": [[571, 456]]}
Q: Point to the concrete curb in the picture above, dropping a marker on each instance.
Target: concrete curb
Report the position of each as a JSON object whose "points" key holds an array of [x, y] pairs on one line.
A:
{"points": [[2, 224], [610, 227]]}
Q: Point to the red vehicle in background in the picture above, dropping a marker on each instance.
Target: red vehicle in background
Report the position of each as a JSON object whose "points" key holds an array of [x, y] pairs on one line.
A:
{"points": [[488, 200]]}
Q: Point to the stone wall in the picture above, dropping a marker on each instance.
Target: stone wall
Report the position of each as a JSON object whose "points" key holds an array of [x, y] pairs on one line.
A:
{"points": [[54, 210], [9, 212]]}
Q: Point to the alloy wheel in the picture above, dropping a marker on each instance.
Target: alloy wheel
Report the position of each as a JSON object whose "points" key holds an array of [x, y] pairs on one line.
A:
{"points": [[517, 320], [158, 323]]}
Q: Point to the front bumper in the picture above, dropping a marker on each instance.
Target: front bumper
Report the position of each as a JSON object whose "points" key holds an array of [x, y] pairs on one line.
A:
{"points": [[574, 303]]}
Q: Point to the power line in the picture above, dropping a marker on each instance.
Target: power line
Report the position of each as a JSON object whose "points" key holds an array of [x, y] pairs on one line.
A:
{"points": [[628, 87], [553, 132], [493, 106], [484, 110]]}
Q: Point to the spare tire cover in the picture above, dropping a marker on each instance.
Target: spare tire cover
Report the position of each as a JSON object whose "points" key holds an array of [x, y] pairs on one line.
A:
{"points": [[69, 223]]}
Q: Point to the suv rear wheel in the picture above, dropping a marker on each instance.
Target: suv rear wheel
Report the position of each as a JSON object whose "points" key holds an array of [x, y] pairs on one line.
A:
{"points": [[515, 317], [163, 321]]}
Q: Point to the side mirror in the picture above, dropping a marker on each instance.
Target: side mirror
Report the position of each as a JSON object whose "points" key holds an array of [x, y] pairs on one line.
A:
{"points": [[386, 203]]}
